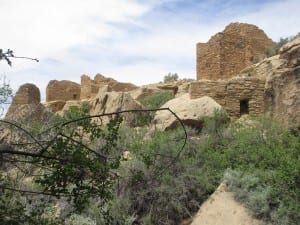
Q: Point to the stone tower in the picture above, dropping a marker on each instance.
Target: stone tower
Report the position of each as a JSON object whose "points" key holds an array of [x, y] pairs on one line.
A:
{"points": [[230, 51]]}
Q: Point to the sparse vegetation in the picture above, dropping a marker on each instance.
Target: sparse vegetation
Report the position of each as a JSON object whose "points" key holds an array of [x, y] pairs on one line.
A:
{"points": [[152, 102], [275, 50], [170, 77]]}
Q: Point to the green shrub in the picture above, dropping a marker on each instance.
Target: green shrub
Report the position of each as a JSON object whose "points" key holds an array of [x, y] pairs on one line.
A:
{"points": [[162, 188], [141, 119], [76, 219], [170, 77], [267, 158], [157, 100]]}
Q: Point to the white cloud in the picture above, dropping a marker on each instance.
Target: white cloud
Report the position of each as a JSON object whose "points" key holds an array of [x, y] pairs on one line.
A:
{"points": [[48, 27]]}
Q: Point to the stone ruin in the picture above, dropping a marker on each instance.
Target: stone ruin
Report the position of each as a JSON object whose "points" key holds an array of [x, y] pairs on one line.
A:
{"points": [[67, 90], [223, 73], [221, 59], [230, 51], [237, 96], [62, 90], [90, 87]]}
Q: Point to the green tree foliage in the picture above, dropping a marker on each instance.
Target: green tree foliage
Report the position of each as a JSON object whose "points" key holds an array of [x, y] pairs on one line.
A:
{"points": [[73, 160], [76, 160], [6, 94], [170, 77]]}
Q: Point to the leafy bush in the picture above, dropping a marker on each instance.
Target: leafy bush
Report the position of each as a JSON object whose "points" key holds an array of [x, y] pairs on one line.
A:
{"points": [[265, 158], [158, 186], [157, 100]]}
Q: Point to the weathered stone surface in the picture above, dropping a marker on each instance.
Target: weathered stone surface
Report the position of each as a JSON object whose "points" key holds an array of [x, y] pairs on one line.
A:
{"points": [[55, 106], [232, 93], [90, 87], [143, 93], [188, 110], [25, 103], [179, 87], [282, 86], [230, 51], [291, 53], [112, 101], [62, 90], [222, 209], [169, 87]]}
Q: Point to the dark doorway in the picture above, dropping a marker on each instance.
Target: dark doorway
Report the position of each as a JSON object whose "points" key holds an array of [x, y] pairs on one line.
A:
{"points": [[74, 96], [244, 107]]}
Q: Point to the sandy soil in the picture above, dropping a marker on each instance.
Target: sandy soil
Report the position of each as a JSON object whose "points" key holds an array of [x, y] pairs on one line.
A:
{"points": [[222, 209]]}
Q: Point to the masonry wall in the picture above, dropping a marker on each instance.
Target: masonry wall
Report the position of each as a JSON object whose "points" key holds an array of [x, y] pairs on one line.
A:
{"points": [[90, 87], [229, 93], [209, 59], [230, 51], [62, 90]]}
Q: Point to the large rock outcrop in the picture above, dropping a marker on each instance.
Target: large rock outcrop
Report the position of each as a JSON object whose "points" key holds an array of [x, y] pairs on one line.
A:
{"points": [[62, 90], [230, 51], [26, 103], [142, 93], [109, 101], [282, 86], [55, 106], [188, 110]]}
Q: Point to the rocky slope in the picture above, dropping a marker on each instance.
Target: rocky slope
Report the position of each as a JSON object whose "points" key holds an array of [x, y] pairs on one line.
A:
{"points": [[282, 86]]}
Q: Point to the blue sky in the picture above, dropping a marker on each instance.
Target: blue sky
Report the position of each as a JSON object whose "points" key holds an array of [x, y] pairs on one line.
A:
{"points": [[136, 41]]}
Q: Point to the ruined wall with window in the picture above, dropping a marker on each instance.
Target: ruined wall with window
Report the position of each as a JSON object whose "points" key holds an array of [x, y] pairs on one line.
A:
{"points": [[237, 96], [62, 90]]}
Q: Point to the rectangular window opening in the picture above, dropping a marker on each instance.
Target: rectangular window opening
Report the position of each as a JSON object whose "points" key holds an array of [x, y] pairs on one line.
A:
{"points": [[244, 107]]}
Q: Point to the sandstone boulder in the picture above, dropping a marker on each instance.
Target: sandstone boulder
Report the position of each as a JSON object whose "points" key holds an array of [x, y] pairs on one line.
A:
{"points": [[26, 103], [62, 90], [55, 106], [188, 110], [169, 87], [222, 209], [179, 87], [290, 52], [144, 92], [108, 101]]}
